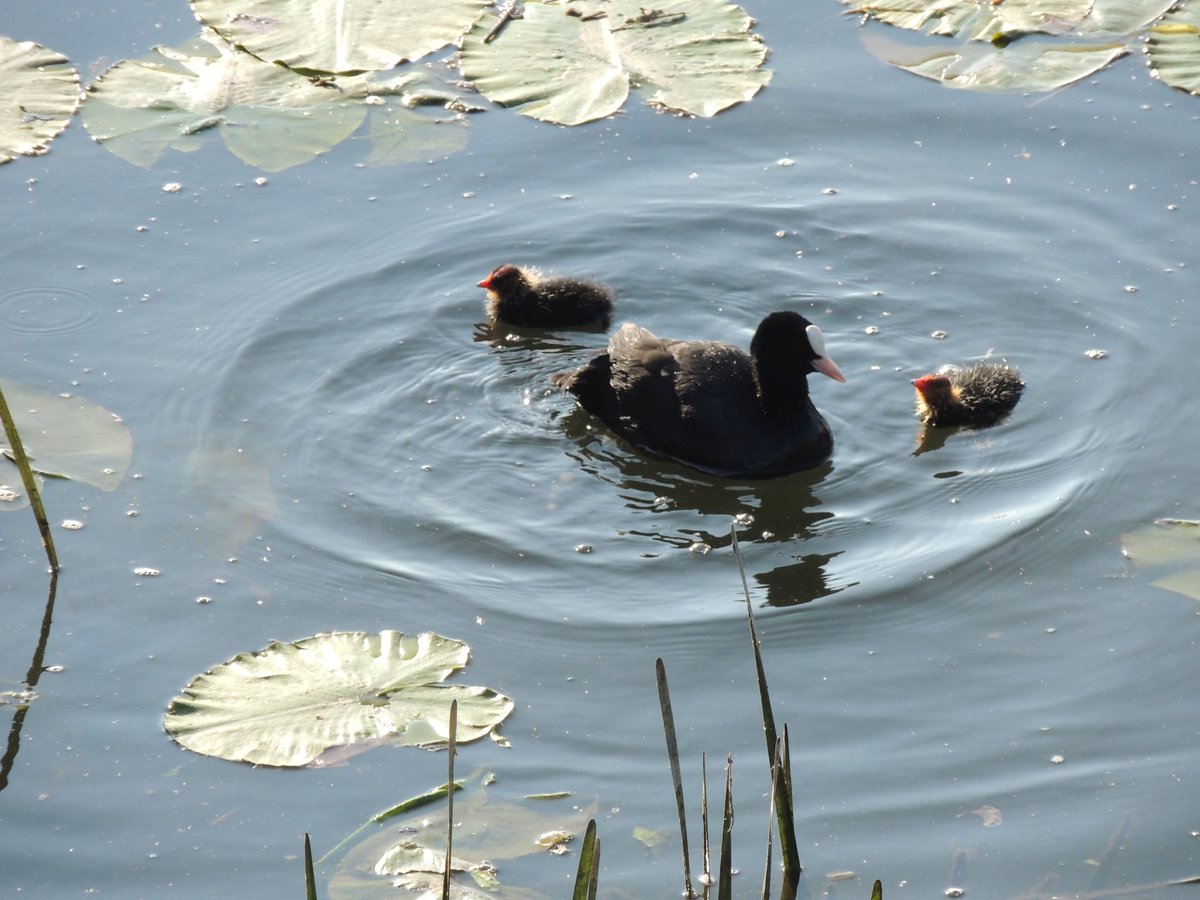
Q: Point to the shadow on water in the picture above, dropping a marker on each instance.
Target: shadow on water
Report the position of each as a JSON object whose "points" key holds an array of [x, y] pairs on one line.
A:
{"points": [[775, 511]]}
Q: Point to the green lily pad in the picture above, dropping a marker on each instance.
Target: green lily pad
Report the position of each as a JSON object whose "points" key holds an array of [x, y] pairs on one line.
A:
{"points": [[1010, 19], [39, 92], [1024, 66], [267, 115], [288, 703], [574, 62], [65, 436], [339, 36], [1174, 48], [1173, 543]]}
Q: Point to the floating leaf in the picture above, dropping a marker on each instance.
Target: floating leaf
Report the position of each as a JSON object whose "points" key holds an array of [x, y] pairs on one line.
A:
{"points": [[409, 856], [1026, 66], [1174, 48], [987, 21], [269, 116], [288, 703], [572, 63], [1168, 542], [339, 36], [39, 92], [69, 437]]}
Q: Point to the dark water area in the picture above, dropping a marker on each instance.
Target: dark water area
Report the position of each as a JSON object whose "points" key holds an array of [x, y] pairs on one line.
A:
{"points": [[329, 437]]}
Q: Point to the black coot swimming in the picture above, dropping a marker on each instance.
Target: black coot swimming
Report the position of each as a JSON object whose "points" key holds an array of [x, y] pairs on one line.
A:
{"points": [[523, 297], [979, 394], [710, 405]]}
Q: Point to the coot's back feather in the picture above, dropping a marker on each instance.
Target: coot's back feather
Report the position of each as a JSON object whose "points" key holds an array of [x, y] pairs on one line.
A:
{"points": [[709, 404]]}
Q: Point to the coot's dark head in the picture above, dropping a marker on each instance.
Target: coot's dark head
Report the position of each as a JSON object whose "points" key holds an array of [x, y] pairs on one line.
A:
{"points": [[505, 277], [785, 348]]}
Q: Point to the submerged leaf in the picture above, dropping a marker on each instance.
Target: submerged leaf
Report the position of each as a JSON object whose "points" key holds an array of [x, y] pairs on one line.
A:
{"points": [[339, 36], [572, 63], [39, 92], [1174, 542], [69, 437], [288, 703]]}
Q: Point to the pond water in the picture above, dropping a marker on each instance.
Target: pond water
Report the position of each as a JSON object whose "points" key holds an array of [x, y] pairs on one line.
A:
{"points": [[327, 437]]}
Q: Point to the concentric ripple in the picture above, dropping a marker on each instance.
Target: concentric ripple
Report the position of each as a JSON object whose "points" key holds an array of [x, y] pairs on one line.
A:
{"points": [[46, 309]]}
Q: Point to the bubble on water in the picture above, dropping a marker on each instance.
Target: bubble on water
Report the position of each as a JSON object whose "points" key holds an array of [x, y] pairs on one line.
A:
{"points": [[700, 548], [871, 329], [145, 572], [172, 187], [1096, 354], [72, 524], [938, 335], [584, 548]]}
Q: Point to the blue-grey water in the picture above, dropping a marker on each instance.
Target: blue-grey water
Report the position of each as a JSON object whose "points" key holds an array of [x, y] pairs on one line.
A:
{"points": [[327, 438]]}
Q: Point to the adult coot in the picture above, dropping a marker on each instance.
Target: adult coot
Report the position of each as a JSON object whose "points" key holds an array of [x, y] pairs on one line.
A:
{"points": [[972, 395], [524, 297], [710, 405]]}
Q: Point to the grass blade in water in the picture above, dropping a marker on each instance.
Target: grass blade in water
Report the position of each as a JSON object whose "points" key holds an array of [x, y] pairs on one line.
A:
{"points": [[725, 879], [589, 865], [35, 499], [664, 701], [310, 880], [453, 749]]}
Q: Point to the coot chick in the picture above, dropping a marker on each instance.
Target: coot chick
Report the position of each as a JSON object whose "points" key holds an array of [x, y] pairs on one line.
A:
{"points": [[710, 405], [974, 395], [523, 297]]}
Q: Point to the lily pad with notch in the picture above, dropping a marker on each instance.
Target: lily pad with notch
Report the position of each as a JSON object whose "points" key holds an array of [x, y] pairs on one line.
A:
{"points": [[289, 703], [575, 62], [39, 93]]}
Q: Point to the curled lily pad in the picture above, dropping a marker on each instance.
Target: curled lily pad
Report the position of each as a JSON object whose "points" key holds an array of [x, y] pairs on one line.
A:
{"points": [[1024, 66], [575, 62], [339, 36], [288, 703], [267, 115], [1171, 544], [68, 437], [986, 21], [1174, 48], [39, 92]]}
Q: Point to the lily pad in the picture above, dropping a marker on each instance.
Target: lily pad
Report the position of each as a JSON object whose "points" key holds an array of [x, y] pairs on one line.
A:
{"points": [[987, 21], [288, 703], [1025, 66], [268, 116], [1168, 543], [574, 62], [39, 92], [1174, 48], [339, 36], [68, 437]]}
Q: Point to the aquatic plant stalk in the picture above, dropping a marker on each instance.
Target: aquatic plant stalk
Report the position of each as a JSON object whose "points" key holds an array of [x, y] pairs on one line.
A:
{"points": [[788, 846], [27, 479], [588, 873], [310, 880], [452, 747], [664, 702], [725, 879]]}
